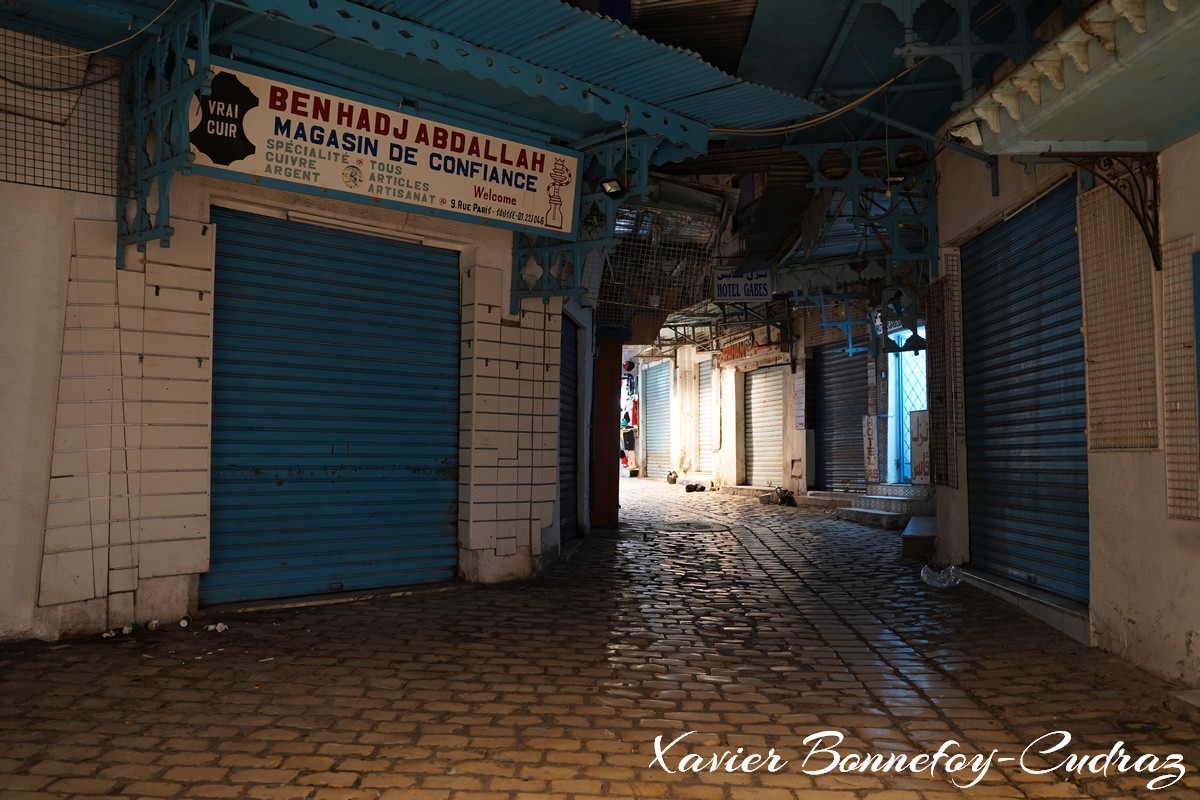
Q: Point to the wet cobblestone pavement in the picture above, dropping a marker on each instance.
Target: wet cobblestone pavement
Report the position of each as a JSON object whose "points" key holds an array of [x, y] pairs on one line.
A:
{"points": [[706, 620]]}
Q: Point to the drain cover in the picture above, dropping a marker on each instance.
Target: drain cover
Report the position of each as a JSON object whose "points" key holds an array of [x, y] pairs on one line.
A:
{"points": [[690, 527]]}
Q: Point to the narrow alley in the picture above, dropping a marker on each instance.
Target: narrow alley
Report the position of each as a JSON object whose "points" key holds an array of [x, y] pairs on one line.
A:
{"points": [[708, 622]]}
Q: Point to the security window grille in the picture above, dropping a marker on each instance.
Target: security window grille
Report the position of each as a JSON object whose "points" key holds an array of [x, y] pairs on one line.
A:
{"points": [[662, 262], [59, 115]]}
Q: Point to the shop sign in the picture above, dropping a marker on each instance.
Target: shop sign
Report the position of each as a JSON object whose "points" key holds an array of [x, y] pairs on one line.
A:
{"points": [[282, 133], [735, 287]]}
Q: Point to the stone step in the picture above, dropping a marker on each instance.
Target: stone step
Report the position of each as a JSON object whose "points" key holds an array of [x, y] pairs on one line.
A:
{"points": [[919, 538], [746, 491], [818, 494], [921, 500], [900, 505], [917, 492], [888, 520], [830, 500]]}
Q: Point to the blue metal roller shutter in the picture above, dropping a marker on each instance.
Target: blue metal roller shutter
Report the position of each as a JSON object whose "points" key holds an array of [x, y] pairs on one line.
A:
{"points": [[335, 412], [1023, 368], [568, 431], [656, 419], [705, 419], [763, 403], [841, 403]]}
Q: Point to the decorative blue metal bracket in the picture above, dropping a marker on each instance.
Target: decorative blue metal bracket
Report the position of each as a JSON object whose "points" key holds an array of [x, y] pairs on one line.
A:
{"points": [[546, 267], [158, 84], [824, 301]]}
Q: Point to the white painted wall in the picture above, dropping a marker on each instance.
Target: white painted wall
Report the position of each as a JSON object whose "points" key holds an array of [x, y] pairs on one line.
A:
{"points": [[1145, 582], [730, 462], [1145, 566]]}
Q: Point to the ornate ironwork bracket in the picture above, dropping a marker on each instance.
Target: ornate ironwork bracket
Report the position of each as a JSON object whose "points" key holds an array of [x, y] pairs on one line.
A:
{"points": [[1134, 177], [546, 267], [847, 325], [158, 84]]}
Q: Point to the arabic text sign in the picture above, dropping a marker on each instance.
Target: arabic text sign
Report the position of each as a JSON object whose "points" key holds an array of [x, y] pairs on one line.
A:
{"points": [[918, 425], [733, 287], [262, 127]]}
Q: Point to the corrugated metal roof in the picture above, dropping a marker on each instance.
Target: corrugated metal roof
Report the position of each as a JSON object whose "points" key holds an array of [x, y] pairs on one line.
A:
{"points": [[789, 41], [320, 41], [716, 29], [553, 35]]}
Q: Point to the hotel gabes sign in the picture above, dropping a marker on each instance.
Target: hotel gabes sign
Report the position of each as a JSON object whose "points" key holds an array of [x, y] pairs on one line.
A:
{"points": [[281, 133]]}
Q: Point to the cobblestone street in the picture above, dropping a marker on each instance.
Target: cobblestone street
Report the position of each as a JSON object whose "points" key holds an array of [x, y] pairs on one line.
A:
{"points": [[753, 627]]}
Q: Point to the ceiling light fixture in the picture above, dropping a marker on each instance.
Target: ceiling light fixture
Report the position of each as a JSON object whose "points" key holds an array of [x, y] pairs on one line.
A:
{"points": [[613, 187]]}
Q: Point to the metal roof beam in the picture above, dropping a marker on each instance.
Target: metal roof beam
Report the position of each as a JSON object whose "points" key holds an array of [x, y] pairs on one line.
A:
{"points": [[949, 144], [835, 49], [405, 38]]}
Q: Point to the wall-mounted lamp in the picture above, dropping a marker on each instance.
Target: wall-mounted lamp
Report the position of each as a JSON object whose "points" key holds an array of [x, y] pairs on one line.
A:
{"points": [[613, 187]]}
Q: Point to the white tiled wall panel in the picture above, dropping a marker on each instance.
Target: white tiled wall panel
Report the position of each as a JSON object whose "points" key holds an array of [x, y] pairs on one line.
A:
{"points": [[1118, 314], [129, 485]]}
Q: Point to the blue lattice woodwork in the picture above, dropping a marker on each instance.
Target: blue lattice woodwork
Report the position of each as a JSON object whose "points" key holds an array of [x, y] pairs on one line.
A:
{"points": [[898, 208], [158, 83]]}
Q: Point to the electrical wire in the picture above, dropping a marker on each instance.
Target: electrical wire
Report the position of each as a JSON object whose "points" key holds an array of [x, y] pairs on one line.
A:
{"points": [[77, 87], [813, 122], [130, 37]]}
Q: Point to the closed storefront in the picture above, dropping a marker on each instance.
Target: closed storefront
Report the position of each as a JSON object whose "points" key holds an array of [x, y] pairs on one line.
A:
{"points": [[335, 411], [1025, 403], [656, 419], [705, 418], [763, 405], [840, 404]]}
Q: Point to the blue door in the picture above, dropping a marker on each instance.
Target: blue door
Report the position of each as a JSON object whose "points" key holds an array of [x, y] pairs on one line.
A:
{"points": [[335, 412], [1023, 373]]}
